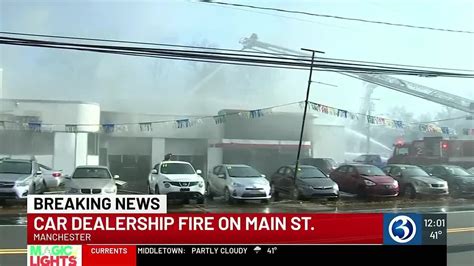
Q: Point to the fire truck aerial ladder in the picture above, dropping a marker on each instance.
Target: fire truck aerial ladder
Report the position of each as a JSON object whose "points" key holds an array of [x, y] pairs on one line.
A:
{"points": [[403, 86]]}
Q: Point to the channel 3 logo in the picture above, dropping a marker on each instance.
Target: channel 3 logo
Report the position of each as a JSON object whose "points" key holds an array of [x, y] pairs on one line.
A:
{"points": [[402, 229]]}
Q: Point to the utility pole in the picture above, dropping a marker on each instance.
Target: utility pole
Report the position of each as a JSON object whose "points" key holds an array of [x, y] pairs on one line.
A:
{"points": [[305, 106]]}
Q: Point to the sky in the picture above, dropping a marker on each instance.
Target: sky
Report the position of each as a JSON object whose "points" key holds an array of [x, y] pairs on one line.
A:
{"points": [[122, 83]]}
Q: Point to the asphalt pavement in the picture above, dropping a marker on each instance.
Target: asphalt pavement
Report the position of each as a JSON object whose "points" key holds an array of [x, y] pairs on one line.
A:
{"points": [[460, 219]]}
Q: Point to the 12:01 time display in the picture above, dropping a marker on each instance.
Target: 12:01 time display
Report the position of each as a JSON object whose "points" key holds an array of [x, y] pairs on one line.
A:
{"points": [[430, 223]]}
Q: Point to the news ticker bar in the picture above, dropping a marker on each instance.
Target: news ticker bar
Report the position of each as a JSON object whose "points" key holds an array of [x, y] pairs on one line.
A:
{"points": [[245, 228], [119, 255], [142, 219]]}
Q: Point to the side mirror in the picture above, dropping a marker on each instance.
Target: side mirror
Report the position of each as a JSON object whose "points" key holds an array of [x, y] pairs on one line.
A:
{"points": [[221, 176], [116, 176], [39, 172], [199, 172], [154, 171], [68, 177]]}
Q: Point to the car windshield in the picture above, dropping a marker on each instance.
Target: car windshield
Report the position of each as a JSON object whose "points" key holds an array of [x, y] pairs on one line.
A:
{"points": [[91, 173], [12, 167], [457, 171], [332, 162], [309, 172], [242, 171], [414, 171], [177, 168], [369, 170]]}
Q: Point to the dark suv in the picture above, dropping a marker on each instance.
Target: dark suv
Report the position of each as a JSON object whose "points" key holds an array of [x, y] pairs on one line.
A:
{"points": [[327, 165]]}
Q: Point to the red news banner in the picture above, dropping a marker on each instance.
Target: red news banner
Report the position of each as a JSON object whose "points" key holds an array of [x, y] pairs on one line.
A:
{"points": [[142, 219]]}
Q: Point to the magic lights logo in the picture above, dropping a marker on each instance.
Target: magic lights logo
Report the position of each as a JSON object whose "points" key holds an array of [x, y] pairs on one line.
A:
{"points": [[54, 255]]}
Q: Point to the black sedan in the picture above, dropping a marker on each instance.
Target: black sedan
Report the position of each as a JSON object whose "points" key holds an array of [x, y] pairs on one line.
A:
{"points": [[460, 181], [310, 182]]}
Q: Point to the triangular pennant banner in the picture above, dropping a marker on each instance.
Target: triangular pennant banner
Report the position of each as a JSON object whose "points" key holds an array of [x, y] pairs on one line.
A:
{"points": [[219, 119], [145, 127], [256, 113], [183, 123], [70, 128], [35, 126], [108, 128]]}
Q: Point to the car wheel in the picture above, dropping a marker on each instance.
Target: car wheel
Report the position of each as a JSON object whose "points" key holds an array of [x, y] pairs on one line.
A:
{"points": [[45, 188], [209, 194], [227, 197], [361, 192], [455, 190], [33, 189], [295, 194], [333, 199], [149, 189], [409, 192], [157, 190], [200, 200], [275, 193]]}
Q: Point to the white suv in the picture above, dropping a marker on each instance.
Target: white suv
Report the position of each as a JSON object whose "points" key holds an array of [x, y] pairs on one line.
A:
{"points": [[177, 180]]}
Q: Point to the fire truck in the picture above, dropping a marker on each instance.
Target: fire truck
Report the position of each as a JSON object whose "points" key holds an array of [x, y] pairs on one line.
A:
{"points": [[434, 150]]}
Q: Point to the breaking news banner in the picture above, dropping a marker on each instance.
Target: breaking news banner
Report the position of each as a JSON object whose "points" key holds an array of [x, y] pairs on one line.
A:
{"points": [[72, 230]]}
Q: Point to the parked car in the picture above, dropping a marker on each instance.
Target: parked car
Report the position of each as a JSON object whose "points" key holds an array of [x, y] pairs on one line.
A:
{"points": [[415, 181], [372, 159], [177, 180], [326, 165], [89, 179], [52, 178], [471, 170], [365, 180], [19, 177], [310, 182], [237, 182], [460, 181]]}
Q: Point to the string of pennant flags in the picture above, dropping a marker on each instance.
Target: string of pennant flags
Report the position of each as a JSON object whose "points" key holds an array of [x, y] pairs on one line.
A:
{"points": [[107, 128], [388, 122], [37, 126]]}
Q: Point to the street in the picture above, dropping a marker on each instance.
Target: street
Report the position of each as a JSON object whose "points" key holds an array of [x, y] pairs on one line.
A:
{"points": [[460, 220]]}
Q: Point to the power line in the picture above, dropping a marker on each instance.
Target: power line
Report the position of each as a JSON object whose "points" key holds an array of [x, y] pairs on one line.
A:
{"points": [[340, 17], [221, 57], [235, 51]]}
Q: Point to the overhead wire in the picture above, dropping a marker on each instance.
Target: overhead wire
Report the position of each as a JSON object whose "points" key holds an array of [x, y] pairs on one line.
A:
{"points": [[340, 17], [285, 55], [220, 57]]}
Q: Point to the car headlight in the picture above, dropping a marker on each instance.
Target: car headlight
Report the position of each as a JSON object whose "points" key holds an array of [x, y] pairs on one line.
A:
{"points": [[395, 183], [23, 183], [421, 184], [335, 187], [110, 189], [235, 184], [201, 183], [73, 190], [166, 184], [369, 183]]}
